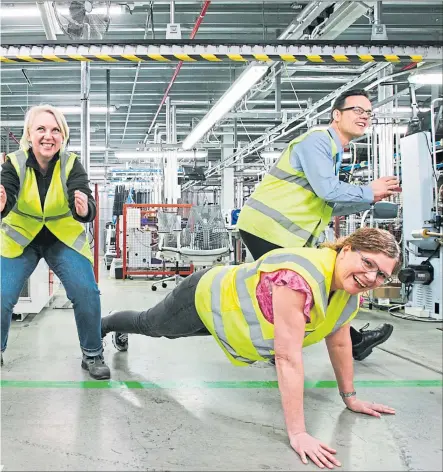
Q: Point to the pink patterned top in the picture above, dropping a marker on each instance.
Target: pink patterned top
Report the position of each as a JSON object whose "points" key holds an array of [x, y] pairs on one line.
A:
{"points": [[282, 277]]}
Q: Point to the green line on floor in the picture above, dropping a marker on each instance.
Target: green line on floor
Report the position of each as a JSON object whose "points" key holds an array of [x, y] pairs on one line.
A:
{"points": [[132, 384]]}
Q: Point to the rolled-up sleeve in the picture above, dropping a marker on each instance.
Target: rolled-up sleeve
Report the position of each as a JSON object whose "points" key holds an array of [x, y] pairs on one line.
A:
{"points": [[313, 156]]}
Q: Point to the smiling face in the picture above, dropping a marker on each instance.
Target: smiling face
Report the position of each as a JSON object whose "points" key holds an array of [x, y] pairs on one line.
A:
{"points": [[352, 119], [359, 271], [45, 135]]}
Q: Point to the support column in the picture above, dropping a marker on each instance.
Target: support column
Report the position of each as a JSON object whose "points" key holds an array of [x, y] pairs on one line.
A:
{"points": [[108, 117], [85, 124], [227, 178], [385, 129]]}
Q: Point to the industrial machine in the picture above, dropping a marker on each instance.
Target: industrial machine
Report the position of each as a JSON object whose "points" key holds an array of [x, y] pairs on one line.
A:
{"points": [[422, 227]]}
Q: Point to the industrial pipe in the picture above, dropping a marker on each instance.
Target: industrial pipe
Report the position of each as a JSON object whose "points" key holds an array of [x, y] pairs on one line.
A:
{"points": [[179, 66]]}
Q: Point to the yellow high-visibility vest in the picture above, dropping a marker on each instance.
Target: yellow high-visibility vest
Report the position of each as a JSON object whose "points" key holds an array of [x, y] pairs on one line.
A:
{"points": [[27, 218], [284, 209], [226, 302]]}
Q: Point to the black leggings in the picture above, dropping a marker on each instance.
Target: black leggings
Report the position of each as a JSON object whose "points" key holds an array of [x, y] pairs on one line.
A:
{"points": [[258, 246], [173, 317]]}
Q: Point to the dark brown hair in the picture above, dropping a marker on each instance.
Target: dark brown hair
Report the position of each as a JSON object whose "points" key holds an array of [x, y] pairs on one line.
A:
{"points": [[370, 240]]}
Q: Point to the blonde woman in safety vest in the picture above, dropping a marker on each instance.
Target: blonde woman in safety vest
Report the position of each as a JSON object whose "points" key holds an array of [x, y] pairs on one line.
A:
{"points": [[44, 199], [296, 199], [286, 300]]}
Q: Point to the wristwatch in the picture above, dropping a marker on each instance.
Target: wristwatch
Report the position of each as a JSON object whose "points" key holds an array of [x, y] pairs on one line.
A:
{"points": [[348, 394]]}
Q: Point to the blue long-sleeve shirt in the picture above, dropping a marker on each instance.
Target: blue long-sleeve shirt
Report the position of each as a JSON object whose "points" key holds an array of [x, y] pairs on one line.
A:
{"points": [[313, 156]]}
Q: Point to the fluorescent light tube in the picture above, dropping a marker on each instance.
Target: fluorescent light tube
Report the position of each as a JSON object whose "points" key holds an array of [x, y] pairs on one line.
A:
{"points": [[235, 93], [158, 154], [426, 79], [19, 12], [73, 110]]}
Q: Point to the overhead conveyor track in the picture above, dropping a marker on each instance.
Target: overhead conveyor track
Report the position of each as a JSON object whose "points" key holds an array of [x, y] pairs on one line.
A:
{"points": [[319, 52]]}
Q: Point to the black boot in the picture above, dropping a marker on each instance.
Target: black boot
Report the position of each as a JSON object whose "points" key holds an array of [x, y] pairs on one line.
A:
{"points": [[96, 366], [363, 341]]}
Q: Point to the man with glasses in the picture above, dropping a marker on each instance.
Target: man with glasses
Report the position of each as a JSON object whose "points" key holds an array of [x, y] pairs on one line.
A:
{"points": [[295, 201]]}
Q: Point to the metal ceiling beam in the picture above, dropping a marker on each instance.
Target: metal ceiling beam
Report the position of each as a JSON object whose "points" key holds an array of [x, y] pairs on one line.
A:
{"points": [[337, 52]]}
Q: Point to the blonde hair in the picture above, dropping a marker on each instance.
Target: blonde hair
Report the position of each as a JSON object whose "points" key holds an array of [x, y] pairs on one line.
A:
{"points": [[30, 116], [370, 240]]}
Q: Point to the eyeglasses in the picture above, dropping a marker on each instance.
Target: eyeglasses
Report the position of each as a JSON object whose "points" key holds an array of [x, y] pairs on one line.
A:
{"points": [[370, 266], [359, 111]]}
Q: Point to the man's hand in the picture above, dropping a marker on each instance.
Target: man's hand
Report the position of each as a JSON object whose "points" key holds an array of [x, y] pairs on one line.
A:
{"points": [[367, 408], [385, 187], [3, 198], [81, 203], [319, 453]]}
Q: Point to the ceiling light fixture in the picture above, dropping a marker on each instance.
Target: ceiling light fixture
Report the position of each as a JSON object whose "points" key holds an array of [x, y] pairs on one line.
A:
{"points": [[159, 154], [235, 93], [73, 110], [19, 12]]}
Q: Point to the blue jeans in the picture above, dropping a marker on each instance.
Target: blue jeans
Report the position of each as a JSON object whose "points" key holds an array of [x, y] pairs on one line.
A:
{"points": [[77, 276]]}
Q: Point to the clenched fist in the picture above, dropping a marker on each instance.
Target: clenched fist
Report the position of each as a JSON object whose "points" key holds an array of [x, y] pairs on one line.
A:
{"points": [[81, 203], [3, 198]]}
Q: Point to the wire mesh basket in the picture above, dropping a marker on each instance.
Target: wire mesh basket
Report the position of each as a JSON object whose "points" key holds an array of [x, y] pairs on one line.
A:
{"points": [[205, 229], [168, 224]]}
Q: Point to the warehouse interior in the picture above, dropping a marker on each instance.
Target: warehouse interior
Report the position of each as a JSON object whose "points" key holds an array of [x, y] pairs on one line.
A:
{"points": [[177, 111]]}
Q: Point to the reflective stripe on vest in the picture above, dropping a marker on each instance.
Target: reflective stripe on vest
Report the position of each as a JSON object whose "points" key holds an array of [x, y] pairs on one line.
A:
{"points": [[264, 347], [282, 220], [351, 306], [79, 242], [294, 179], [41, 218], [15, 235]]}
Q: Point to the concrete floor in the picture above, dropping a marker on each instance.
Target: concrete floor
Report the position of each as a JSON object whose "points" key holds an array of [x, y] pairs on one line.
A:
{"points": [[192, 410]]}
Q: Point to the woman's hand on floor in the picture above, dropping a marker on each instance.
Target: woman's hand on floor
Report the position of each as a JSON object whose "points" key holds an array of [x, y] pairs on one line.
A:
{"points": [[319, 453], [368, 408]]}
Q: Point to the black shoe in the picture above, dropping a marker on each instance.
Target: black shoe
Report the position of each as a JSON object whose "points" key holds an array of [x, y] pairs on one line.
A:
{"points": [[369, 339], [96, 367], [120, 341], [2, 360]]}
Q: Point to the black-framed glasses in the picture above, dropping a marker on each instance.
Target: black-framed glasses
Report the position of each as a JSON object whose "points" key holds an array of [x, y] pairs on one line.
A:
{"points": [[370, 266], [359, 111]]}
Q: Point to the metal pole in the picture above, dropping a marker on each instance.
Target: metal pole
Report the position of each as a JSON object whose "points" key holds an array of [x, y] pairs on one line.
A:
{"points": [[172, 17], [108, 116], [96, 235], [8, 131], [278, 89], [85, 124]]}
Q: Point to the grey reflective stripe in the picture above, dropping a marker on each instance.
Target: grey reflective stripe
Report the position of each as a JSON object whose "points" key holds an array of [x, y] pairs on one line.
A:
{"points": [[217, 316], [349, 308], [79, 242], [64, 157], [291, 178], [21, 240], [21, 159], [58, 217], [279, 218], [41, 218], [18, 212], [263, 346]]}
